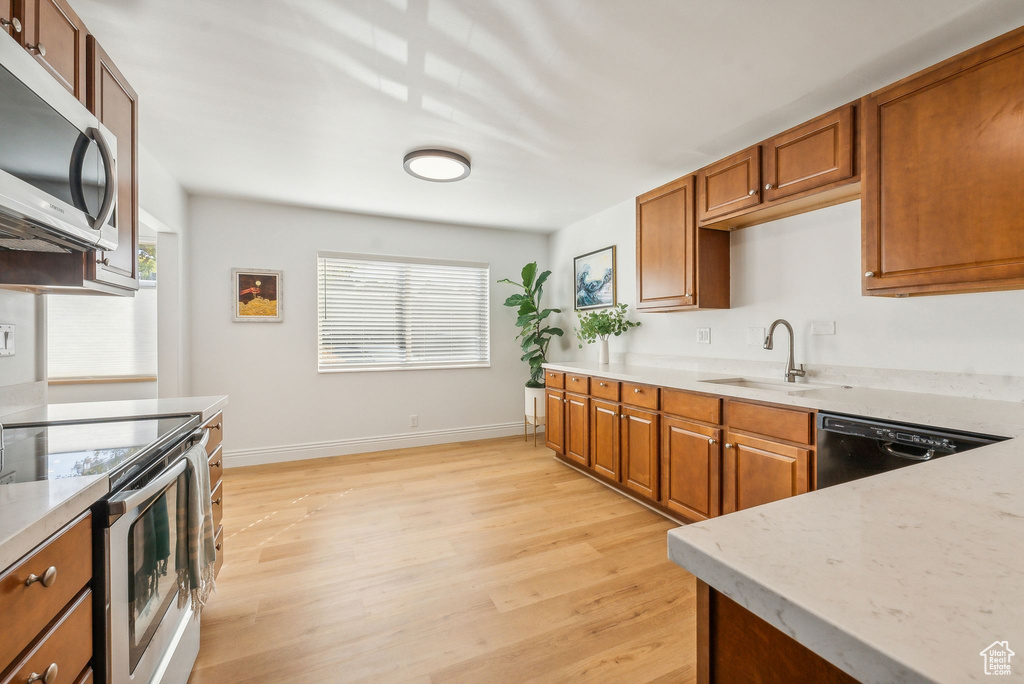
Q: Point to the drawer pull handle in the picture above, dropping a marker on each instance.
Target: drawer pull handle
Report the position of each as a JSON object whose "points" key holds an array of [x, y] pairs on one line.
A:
{"points": [[636, 390], [14, 23], [47, 579], [216, 502], [216, 464], [217, 546], [105, 261], [49, 675], [218, 426], [41, 50], [603, 384]]}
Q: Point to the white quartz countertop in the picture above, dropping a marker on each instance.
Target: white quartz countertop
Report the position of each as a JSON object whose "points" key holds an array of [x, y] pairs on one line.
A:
{"points": [[32, 511], [983, 416], [901, 577]]}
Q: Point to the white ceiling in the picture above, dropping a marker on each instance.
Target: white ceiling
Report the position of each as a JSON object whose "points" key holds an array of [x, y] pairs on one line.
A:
{"points": [[566, 107]]}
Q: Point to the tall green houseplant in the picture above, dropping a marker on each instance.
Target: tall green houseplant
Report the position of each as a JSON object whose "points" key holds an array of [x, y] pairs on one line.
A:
{"points": [[534, 334]]}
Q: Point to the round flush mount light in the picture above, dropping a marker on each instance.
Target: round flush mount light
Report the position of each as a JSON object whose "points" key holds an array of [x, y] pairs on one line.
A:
{"points": [[439, 166]]}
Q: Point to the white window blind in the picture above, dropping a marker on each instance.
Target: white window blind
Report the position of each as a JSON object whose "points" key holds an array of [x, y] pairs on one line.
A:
{"points": [[388, 313]]}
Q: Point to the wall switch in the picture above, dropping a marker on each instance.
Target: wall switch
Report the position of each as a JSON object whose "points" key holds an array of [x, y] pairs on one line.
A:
{"points": [[703, 335], [755, 337], [823, 328], [6, 340], [414, 420]]}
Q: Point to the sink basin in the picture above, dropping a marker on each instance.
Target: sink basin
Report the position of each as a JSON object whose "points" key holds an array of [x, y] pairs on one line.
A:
{"points": [[765, 384]]}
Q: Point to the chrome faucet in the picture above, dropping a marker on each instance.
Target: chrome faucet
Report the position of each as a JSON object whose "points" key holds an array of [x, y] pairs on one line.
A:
{"points": [[792, 372]]}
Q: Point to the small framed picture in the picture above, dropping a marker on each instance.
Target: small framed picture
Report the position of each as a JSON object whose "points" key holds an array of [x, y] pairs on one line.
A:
{"points": [[257, 295], [595, 279]]}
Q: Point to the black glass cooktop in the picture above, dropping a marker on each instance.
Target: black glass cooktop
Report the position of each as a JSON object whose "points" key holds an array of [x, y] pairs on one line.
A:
{"points": [[48, 452]]}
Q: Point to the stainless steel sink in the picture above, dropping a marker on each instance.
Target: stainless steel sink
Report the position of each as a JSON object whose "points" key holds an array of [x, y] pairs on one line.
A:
{"points": [[766, 384]]}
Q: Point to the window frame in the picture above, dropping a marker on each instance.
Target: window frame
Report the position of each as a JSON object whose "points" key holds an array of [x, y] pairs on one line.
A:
{"points": [[357, 256]]}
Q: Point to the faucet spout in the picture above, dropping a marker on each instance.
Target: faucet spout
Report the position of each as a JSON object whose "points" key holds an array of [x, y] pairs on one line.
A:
{"points": [[792, 370]]}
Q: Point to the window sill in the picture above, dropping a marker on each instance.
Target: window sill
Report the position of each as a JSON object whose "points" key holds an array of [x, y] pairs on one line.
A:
{"points": [[376, 369], [101, 380]]}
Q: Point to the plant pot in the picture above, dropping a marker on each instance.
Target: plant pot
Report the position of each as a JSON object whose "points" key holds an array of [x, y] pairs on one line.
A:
{"points": [[602, 351], [534, 402]]}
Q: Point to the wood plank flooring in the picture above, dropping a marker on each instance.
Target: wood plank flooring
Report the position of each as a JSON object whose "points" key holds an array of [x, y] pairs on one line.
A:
{"points": [[477, 562]]}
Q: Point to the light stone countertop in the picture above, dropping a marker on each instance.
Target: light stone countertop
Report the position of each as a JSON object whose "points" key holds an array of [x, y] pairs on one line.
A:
{"points": [[32, 511], [901, 577]]}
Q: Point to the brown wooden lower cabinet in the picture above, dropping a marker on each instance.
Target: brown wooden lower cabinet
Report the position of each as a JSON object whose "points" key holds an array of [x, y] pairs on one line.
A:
{"points": [[554, 430], [604, 438], [66, 645], [639, 451], [734, 646], [757, 471], [577, 428], [691, 457]]}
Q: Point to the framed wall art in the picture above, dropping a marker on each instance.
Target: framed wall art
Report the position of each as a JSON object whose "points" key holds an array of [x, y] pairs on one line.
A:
{"points": [[257, 295], [595, 279]]}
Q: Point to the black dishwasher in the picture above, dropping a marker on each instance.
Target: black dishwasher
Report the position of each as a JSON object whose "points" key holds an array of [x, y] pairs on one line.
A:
{"points": [[852, 447]]}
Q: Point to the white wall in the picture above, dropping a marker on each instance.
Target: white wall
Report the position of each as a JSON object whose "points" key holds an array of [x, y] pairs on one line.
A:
{"points": [[25, 312], [280, 406], [804, 268]]}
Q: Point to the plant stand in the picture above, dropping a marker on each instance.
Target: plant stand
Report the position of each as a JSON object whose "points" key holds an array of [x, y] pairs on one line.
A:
{"points": [[534, 420]]}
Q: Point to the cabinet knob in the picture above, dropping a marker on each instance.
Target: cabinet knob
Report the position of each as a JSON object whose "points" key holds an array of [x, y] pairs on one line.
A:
{"points": [[869, 274], [49, 675], [622, 417], [216, 464], [14, 23], [752, 193], [47, 579], [565, 401], [38, 48], [217, 426], [636, 390], [105, 261], [711, 440], [729, 445], [767, 186], [603, 384], [689, 294], [575, 379], [216, 502]]}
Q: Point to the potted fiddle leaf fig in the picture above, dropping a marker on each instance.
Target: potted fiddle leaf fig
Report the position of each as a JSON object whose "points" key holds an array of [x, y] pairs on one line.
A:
{"points": [[600, 325], [534, 333]]}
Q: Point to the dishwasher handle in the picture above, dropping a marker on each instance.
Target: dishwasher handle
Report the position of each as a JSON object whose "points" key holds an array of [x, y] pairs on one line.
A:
{"points": [[926, 456]]}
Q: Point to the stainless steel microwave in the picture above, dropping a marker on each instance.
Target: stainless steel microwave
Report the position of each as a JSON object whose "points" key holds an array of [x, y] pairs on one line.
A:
{"points": [[58, 164]]}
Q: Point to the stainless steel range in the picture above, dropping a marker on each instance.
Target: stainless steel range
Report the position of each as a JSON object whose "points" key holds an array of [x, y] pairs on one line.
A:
{"points": [[140, 634]]}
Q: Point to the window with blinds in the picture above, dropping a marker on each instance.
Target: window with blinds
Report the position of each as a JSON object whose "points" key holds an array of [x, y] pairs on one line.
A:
{"points": [[390, 313]]}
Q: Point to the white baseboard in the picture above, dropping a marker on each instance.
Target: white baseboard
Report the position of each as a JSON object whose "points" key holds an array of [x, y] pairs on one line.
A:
{"points": [[234, 458]]}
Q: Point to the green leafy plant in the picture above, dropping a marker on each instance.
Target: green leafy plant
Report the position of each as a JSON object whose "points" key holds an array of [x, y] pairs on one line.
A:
{"points": [[601, 324], [534, 335]]}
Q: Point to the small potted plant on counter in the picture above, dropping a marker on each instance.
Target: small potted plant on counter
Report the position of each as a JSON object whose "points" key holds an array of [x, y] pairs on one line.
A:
{"points": [[534, 335], [600, 325]]}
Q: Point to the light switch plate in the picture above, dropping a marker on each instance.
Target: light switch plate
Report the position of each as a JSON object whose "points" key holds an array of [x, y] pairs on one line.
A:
{"points": [[703, 335], [6, 340], [823, 328], [755, 337]]}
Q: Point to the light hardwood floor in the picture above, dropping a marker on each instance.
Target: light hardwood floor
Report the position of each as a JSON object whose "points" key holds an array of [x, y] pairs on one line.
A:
{"points": [[478, 562]]}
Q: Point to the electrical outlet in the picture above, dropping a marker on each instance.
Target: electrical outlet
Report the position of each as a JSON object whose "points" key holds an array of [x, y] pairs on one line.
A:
{"points": [[823, 328], [755, 337], [414, 420], [703, 335], [6, 340]]}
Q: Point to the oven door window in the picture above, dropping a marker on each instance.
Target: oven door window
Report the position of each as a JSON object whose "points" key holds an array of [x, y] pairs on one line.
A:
{"points": [[152, 572]]}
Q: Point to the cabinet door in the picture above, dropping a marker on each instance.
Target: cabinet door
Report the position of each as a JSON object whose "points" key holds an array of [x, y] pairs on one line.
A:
{"points": [[116, 104], [809, 156], [554, 428], [55, 35], [729, 185], [690, 468], [665, 246], [604, 438], [757, 471], [577, 428], [7, 17], [639, 451], [942, 176]]}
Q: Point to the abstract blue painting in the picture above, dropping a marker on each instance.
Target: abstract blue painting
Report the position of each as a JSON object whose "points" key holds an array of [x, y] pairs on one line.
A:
{"points": [[595, 279]]}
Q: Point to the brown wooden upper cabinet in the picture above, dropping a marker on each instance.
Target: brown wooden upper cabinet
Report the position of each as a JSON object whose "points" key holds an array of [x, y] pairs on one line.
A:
{"points": [[55, 35], [112, 99], [943, 176], [10, 23], [811, 155], [729, 185], [678, 266]]}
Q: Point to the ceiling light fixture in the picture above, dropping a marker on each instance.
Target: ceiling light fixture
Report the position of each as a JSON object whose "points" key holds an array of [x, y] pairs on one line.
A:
{"points": [[439, 166]]}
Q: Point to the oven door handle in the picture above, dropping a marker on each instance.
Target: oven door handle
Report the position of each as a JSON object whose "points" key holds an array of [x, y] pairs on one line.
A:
{"points": [[126, 501], [926, 456]]}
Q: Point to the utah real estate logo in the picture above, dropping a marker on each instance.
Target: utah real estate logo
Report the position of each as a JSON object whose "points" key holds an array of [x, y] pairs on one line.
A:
{"points": [[997, 658]]}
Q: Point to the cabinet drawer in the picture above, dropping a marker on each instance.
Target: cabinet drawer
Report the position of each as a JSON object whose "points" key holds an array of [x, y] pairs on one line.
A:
{"points": [[643, 396], [28, 608], [554, 379], [604, 389], [693, 406], [772, 421], [216, 468], [218, 505], [577, 383], [218, 542], [67, 644], [85, 677], [215, 426]]}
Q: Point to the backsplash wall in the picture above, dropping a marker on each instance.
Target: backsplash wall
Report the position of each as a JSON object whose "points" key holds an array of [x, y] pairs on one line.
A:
{"points": [[804, 268]]}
